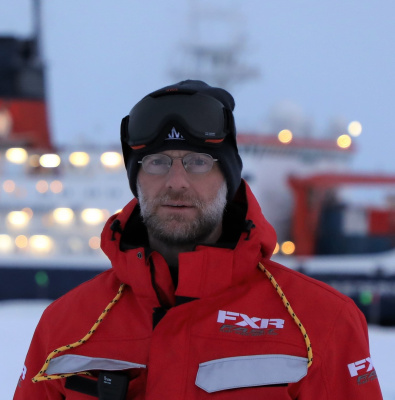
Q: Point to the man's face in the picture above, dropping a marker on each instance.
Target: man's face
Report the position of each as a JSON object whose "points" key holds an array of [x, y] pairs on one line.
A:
{"points": [[181, 208]]}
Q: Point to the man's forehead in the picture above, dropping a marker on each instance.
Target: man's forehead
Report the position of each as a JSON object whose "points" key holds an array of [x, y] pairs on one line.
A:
{"points": [[175, 153]]}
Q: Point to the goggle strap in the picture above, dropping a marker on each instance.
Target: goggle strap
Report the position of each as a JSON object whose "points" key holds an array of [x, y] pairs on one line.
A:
{"points": [[214, 140], [124, 129], [228, 121], [171, 91]]}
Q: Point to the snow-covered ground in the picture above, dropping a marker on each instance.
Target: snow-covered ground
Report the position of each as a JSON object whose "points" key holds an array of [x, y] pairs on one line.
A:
{"points": [[19, 318]]}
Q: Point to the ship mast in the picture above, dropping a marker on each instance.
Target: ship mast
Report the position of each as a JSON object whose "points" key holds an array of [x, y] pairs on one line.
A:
{"points": [[37, 32], [214, 46]]}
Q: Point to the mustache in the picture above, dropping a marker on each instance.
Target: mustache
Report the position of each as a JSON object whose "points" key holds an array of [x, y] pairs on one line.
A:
{"points": [[172, 196]]}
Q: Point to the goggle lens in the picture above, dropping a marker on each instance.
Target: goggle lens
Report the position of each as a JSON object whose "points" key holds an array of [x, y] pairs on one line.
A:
{"points": [[204, 118]]}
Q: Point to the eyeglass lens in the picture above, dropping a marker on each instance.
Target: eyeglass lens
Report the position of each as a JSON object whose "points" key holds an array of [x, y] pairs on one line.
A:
{"points": [[195, 163]]}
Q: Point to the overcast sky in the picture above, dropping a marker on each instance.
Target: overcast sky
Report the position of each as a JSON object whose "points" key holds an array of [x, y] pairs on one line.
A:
{"points": [[325, 60]]}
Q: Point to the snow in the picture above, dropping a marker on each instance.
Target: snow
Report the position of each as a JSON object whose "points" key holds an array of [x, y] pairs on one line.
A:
{"points": [[19, 318]]}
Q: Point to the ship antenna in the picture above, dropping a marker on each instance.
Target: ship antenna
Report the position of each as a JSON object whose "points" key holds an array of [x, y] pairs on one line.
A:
{"points": [[37, 31], [217, 59]]}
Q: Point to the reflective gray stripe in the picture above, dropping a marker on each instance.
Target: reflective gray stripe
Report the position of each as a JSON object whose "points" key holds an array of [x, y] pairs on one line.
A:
{"points": [[71, 363], [246, 371]]}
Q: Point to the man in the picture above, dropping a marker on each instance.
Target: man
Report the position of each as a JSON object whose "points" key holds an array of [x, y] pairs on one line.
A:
{"points": [[193, 306]]}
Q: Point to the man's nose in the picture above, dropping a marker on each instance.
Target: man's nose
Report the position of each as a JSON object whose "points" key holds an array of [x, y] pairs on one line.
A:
{"points": [[177, 177]]}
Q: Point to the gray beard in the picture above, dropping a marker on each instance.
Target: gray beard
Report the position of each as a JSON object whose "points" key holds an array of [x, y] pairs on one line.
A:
{"points": [[186, 232]]}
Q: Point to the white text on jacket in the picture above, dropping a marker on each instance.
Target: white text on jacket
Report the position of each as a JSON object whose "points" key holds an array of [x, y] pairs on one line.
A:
{"points": [[245, 320]]}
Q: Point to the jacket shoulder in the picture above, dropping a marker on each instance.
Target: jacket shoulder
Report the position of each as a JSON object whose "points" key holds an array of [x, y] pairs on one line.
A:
{"points": [[82, 304], [305, 284]]}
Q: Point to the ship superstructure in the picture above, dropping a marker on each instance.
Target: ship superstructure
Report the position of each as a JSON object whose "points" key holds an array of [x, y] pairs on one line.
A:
{"points": [[54, 201]]}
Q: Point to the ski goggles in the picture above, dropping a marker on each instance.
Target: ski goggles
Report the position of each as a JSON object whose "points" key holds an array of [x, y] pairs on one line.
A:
{"points": [[205, 119]]}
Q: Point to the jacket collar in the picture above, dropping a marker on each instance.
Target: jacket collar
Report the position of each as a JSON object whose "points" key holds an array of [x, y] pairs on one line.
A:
{"points": [[202, 272]]}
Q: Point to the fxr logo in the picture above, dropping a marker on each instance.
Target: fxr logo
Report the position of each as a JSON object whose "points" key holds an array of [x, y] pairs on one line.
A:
{"points": [[245, 320], [361, 364]]}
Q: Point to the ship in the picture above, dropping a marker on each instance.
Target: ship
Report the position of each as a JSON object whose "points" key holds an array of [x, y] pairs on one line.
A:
{"points": [[52, 209]]}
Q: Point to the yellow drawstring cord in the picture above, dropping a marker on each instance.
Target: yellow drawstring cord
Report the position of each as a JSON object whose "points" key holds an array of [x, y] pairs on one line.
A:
{"points": [[291, 313], [41, 375]]}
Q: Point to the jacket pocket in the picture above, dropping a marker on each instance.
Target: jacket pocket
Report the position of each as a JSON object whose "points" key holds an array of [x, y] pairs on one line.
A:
{"points": [[250, 371], [72, 363]]}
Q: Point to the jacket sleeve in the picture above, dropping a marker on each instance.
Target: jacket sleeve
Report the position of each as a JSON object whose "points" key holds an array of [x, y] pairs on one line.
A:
{"points": [[38, 351], [346, 369]]}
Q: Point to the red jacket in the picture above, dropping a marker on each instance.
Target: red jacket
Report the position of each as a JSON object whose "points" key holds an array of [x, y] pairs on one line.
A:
{"points": [[225, 332]]}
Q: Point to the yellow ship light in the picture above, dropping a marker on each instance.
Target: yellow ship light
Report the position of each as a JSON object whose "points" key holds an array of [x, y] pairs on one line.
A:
{"points": [[288, 248], [34, 161], [42, 186], [285, 136], [18, 219], [6, 245], [79, 159], [56, 187], [41, 243], [344, 141], [21, 241], [63, 215], [16, 155], [354, 128], [92, 216], [94, 242], [276, 249], [49, 160], [9, 186], [111, 159], [28, 211]]}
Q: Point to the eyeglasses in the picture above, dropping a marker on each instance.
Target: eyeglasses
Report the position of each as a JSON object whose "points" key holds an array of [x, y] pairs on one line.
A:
{"points": [[194, 163]]}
